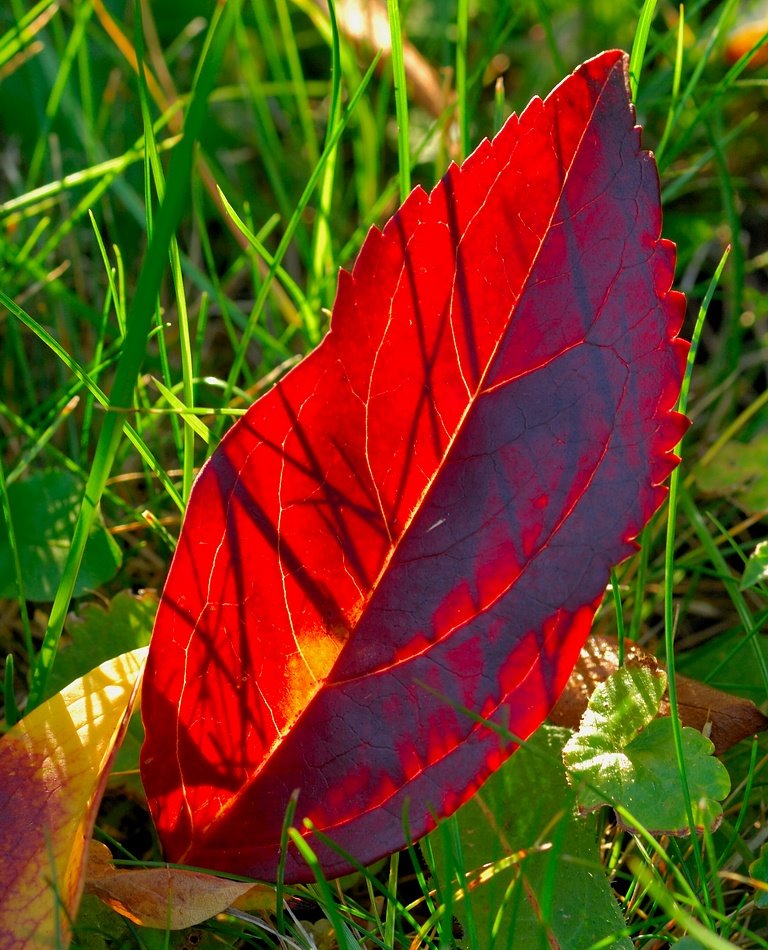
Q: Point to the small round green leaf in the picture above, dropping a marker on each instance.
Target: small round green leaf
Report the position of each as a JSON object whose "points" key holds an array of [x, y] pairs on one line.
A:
{"points": [[623, 756]]}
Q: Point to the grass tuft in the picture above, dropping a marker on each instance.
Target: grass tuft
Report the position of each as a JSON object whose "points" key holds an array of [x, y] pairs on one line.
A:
{"points": [[181, 183]]}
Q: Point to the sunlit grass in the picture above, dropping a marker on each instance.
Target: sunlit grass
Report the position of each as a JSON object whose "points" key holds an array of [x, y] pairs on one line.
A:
{"points": [[178, 192]]}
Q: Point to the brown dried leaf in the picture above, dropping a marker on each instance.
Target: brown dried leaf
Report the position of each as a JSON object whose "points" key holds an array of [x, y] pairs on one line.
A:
{"points": [[167, 898], [724, 718], [365, 24]]}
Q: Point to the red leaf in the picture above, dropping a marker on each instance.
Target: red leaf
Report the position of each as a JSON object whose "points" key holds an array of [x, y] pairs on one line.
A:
{"points": [[423, 514]]}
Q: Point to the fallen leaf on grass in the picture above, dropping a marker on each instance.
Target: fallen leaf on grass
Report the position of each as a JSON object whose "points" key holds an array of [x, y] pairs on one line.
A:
{"points": [[167, 898], [622, 755], [726, 719], [421, 517], [53, 768]]}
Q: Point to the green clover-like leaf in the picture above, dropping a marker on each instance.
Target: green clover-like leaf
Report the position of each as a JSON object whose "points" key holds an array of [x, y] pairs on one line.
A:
{"points": [[623, 756]]}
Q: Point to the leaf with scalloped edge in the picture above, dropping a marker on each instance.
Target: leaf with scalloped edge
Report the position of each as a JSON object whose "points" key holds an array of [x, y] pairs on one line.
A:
{"points": [[622, 755], [726, 719], [423, 514]]}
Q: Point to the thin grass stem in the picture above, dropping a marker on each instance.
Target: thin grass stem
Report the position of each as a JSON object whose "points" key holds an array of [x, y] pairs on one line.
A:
{"points": [[669, 568], [401, 98], [639, 44], [138, 329]]}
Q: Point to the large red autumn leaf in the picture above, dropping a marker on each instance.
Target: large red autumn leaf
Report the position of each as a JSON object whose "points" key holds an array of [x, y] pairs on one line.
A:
{"points": [[422, 516]]}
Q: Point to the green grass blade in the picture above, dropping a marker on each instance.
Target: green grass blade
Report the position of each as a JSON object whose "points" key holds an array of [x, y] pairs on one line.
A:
{"points": [[642, 572], [42, 438], [109, 298], [110, 272], [499, 104], [460, 870], [322, 256], [289, 232], [705, 935], [290, 811], [669, 569], [327, 902], [546, 22], [637, 55], [401, 98], [88, 381], [290, 285], [76, 39], [139, 323], [462, 36], [298, 80], [390, 919], [5, 508], [677, 186], [620, 632], [33, 202], [676, 78], [25, 29], [154, 184], [725, 576], [693, 82], [186, 412]]}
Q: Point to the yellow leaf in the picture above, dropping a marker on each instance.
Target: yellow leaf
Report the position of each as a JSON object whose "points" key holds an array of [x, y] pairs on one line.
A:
{"points": [[167, 898], [53, 768]]}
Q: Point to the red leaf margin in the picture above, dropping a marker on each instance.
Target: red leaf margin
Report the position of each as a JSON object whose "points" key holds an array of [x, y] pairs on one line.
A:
{"points": [[339, 575]]}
